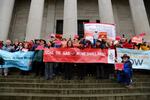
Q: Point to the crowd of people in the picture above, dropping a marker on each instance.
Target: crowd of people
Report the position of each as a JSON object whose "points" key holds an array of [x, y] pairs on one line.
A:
{"points": [[51, 69]]}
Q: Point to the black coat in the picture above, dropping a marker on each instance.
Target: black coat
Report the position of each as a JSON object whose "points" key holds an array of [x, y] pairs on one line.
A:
{"points": [[2, 61]]}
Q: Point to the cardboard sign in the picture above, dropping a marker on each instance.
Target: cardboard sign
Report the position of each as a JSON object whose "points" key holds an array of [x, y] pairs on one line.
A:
{"points": [[137, 39], [119, 66], [118, 38], [102, 35]]}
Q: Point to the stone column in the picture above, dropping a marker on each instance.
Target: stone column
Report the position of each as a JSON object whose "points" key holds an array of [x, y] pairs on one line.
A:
{"points": [[139, 17], [6, 9], [106, 11], [70, 18], [50, 21], [35, 18]]}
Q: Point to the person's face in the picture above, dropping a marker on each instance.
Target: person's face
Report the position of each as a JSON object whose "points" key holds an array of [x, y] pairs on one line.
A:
{"points": [[103, 35], [42, 42], [125, 59], [53, 38], [8, 42], [123, 40], [75, 40], [69, 43], [81, 45], [98, 43], [37, 42], [49, 44], [20, 44], [31, 41], [16, 43], [136, 47], [26, 45]]}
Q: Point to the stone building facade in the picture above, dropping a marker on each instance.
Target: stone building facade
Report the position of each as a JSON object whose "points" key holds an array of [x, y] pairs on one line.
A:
{"points": [[31, 19]]}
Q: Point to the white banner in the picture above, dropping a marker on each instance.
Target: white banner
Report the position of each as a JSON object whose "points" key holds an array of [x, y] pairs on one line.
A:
{"points": [[140, 59], [96, 28]]}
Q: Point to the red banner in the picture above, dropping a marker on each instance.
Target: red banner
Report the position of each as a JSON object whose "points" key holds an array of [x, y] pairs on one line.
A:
{"points": [[75, 55]]}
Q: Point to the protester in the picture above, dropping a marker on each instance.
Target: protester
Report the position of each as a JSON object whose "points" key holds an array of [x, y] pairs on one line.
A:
{"points": [[35, 45], [99, 66], [8, 47], [16, 44], [144, 46], [49, 66], [125, 75], [123, 39], [38, 58], [19, 47], [76, 42], [63, 43], [68, 67], [25, 48], [1, 44]]}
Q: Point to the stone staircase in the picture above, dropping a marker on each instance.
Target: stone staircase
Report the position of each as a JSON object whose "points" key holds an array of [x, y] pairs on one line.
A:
{"points": [[19, 87]]}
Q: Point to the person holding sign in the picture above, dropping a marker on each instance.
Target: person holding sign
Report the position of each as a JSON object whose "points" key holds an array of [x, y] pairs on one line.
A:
{"points": [[49, 66], [127, 71], [8, 47], [68, 70]]}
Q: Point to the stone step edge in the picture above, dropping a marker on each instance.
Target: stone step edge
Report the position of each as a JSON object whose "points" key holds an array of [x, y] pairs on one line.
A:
{"points": [[35, 83], [42, 78], [72, 95], [67, 89]]}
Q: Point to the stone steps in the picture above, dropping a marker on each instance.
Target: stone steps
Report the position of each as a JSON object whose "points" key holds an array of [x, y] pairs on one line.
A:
{"points": [[16, 87], [76, 91], [118, 96], [61, 80], [53, 81], [69, 85]]}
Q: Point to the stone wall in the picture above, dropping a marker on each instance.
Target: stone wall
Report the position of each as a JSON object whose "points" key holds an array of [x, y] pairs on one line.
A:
{"points": [[19, 19], [147, 6], [53, 10], [123, 18]]}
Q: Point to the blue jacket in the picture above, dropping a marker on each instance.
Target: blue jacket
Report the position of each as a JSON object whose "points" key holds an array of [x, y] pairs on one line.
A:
{"points": [[128, 66]]}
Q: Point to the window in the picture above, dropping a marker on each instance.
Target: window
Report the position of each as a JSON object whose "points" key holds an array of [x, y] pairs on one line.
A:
{"points": [[97, 21], [59, 27], [81, 27]]}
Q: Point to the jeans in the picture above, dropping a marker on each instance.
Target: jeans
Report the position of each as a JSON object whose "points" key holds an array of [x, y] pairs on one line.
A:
{"points": [[39, 68], [127, 79], [124, 77], [49, 70], [100, 72], [68, 68], [4, 70]]}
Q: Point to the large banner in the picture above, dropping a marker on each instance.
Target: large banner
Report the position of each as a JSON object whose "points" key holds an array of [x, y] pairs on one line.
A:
{"points": [[75, 55], [98, 30], [140, 59], [20, 59]]}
